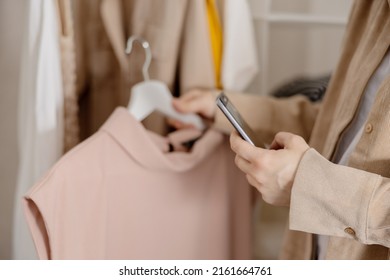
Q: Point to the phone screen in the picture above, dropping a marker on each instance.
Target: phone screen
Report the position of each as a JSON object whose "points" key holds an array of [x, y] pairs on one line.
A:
{"points": [[235, 118]]}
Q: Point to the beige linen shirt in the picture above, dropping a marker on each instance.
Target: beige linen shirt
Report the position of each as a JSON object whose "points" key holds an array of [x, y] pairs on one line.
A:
{"points": [[349, 203]]}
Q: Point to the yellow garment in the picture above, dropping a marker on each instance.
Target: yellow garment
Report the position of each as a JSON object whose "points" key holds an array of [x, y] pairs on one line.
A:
{"points": [[215, 39]]}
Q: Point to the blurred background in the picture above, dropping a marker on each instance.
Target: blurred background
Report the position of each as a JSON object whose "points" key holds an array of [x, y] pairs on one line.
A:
{"points": [[294, 38]]}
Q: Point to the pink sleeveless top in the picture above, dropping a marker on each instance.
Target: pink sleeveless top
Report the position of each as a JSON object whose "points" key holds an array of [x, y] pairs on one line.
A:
{"points": [[122, 194]]}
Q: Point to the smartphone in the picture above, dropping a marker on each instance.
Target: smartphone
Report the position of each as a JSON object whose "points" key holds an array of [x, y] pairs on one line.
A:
{"points": [[235, 119]]}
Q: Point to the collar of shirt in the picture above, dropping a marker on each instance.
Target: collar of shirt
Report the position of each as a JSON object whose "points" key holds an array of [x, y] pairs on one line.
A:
{"points": [[151, 150]]}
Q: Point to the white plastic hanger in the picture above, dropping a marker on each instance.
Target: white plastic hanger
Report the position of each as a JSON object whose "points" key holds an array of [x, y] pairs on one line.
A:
{"points": [[153, 95]]}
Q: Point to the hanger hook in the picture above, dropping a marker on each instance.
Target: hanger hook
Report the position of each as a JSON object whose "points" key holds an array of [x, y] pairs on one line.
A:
{"points": [[148, 53]]}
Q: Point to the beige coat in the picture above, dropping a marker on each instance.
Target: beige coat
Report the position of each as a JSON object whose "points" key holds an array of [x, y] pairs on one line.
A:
{"points": [[177, 32], [350, 204]]}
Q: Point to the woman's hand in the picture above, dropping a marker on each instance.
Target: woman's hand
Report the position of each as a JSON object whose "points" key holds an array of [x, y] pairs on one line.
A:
{"points": [[196, 101], [271, 171]]}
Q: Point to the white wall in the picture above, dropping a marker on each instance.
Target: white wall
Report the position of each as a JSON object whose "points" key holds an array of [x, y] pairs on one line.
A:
{"points": [[11, 22]]}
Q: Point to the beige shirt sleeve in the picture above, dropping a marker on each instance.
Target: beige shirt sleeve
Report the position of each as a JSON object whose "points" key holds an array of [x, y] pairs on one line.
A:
{"points": [[267, 115], [341, 201]]}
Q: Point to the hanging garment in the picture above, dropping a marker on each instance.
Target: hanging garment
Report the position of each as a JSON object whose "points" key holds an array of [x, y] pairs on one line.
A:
{"points": [[40, 110], [178, 35], [239, 61], [196, 65], [124, 194]]}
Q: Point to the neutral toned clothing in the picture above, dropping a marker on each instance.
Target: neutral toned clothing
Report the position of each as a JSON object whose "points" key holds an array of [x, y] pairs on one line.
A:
{"points": [[40, 128], [349, 203], [352, 135], [124, 194], [355, 130]]}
